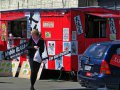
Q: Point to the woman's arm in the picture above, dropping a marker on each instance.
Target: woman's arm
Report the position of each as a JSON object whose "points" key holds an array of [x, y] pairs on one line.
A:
{"points": [[30, 46], [41, 45]]}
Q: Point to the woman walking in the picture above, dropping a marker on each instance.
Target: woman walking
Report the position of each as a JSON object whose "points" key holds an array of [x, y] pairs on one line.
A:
{"points": [[34, 43]]}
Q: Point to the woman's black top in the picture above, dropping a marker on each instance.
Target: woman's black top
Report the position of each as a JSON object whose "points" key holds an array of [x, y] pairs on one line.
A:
{"points": [[32, 50]]}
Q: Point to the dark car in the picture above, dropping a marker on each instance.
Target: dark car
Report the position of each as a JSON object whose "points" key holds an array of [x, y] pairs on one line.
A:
{"points": [[99, 66]]}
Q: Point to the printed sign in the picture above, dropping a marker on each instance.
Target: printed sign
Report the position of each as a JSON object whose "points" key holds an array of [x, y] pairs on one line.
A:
{"points": [[48, 24], [67, 47], [112, 36], [112, 26], [74, 47], [59, 63], [8, 68], [55, 57], [47, 34], [51, 47], [115, 60], [16, 51], [10, 43], [65, 34], [74, 35], [78, 24], [25, 70], [3, 34], [112, 29], [5, 68], [15, 65]]}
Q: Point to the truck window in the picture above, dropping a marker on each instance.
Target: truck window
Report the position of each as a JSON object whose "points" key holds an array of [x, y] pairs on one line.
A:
{"points": [[95, 26], [18, 28]]}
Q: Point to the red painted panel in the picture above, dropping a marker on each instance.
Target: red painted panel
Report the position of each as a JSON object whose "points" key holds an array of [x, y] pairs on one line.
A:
{"points": [[74, 62], [51, 64], [16, 42], [12, 15], [22, 58], [53, 26], [59, 46], [67, 63]]}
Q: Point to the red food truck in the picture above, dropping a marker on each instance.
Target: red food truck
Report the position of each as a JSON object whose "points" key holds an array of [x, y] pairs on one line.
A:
{"points": [[72, 29]]}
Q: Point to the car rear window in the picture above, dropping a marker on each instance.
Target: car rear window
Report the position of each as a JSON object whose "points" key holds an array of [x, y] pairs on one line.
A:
{"points": [[96, 51]]}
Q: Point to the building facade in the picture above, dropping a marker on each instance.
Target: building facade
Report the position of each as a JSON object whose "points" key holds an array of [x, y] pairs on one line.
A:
{"points": [[112, 4], [83, 3], [21, 4], [46, 4]]}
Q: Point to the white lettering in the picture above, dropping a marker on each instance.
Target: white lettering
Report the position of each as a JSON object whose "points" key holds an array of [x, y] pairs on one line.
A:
{"points": [[117, 60]]}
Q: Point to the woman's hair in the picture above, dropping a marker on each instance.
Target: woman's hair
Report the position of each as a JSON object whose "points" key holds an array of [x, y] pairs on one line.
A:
{"points": [[35, 32]]}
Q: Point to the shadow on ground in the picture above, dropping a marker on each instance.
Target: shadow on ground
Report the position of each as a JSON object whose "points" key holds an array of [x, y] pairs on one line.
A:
{"points": [[7, 82], [77, 89]]}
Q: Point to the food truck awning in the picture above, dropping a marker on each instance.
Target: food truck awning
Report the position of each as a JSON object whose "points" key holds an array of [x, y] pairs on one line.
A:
{"points": [[11, 18], [105, 15]]}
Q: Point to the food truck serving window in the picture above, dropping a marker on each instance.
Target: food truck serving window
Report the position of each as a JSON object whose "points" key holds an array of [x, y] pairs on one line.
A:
{"points": [[95, 26], [18, 28]]}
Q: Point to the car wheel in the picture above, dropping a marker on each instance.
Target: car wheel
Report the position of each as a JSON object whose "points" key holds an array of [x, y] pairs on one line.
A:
{"points": [[118, 86], [113, 87]]}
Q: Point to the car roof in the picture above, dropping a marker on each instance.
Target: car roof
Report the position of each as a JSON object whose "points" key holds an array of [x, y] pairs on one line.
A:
{"points": [[109, 42]]}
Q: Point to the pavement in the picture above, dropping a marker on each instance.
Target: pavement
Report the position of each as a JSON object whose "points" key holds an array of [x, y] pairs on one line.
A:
{"points": [[15, 83]]}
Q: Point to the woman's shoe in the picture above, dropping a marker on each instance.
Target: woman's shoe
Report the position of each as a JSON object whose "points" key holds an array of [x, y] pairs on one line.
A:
{"points": [[32, 88]]}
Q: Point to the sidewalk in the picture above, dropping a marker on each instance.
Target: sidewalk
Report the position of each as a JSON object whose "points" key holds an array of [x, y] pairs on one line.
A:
{"points": [[10, 83]]}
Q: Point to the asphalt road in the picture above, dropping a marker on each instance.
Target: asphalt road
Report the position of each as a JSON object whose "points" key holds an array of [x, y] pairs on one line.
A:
{"points": [[10, 83]]}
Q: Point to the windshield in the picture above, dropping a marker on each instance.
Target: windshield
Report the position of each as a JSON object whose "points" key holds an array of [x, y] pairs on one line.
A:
{"points": [[96, 51]]}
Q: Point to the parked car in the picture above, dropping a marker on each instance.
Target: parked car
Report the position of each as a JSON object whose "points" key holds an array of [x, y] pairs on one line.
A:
{"points": [[99, 66]]}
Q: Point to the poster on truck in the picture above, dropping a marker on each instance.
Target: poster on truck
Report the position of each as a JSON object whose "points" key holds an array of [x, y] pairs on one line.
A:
{"points": [[78, 24], [51, 47], [112, 29], [65, 34], [67, 47], [74, 47], [74, 37], [59, 63], [4, 31]]}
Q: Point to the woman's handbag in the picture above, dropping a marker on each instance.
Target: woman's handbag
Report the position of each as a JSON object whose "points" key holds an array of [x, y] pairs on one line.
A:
{"points": [[37, 57]]}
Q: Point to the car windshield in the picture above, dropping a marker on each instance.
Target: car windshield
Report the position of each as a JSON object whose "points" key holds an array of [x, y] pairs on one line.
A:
{"points": [[95, 51]]}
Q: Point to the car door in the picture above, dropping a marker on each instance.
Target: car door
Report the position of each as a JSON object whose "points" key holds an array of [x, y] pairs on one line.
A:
{"points": [[115, 62]]}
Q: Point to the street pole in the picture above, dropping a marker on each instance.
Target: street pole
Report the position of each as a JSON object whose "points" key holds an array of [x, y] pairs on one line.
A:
{"points": [[18, 4], [115, 4], [0, 5]]}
